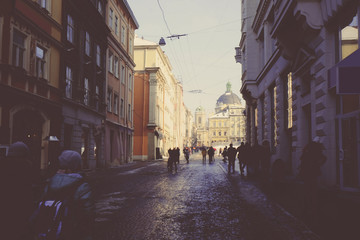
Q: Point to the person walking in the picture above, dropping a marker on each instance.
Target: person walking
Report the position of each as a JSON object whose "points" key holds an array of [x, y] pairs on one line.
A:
{"points": [[211, 153], [312, 159], [17, 195], [241, 157], [68, 182], [203, 152], [231, 153]]}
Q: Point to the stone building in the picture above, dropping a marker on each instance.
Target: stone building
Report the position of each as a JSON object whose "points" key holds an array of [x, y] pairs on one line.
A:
{"points": [[158, 103], [119, 124], [299, 62], [83, 79], [30, 82], [201, 127], [227, 124]]}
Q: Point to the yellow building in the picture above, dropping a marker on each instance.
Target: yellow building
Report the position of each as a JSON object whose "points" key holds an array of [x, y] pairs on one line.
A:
{"points": [[227, 124]]}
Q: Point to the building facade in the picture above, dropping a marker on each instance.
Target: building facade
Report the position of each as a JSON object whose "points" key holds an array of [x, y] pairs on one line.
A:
{"points": [[30, 60], [201, 127], [299, 59], [227, 124], [119, 127], [83, 76], [158, 103]]}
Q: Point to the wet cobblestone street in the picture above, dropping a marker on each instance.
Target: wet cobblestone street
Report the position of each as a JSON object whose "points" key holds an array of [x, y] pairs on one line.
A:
{"points": [[200, 201]]}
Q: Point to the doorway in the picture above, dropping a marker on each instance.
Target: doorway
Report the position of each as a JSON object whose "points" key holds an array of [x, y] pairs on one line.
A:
{"points": [[349, 165]]}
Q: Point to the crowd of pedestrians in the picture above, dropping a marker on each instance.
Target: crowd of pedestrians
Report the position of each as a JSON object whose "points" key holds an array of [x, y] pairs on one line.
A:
{"points": [[255, 159]]}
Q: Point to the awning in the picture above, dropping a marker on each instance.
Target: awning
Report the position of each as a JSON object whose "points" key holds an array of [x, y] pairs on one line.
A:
{"points": [[345, 75]]}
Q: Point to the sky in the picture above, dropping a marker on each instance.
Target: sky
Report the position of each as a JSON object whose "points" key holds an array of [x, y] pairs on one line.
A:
{"points": [[204, 58]]}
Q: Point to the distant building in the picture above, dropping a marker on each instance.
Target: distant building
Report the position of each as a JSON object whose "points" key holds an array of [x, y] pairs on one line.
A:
{"points": [[300, 67], [227, 124], [159, 111], [201, 126]]}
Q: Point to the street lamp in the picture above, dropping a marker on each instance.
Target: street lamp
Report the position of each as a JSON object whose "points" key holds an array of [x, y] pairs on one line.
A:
{"points": [[162, 40]]}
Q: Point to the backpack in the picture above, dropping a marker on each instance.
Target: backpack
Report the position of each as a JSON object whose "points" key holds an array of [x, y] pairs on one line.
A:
{"points": [[53, 218]]}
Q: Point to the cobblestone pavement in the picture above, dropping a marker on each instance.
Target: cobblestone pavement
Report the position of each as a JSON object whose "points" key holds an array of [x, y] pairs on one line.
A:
{"points": [[200, 201]]}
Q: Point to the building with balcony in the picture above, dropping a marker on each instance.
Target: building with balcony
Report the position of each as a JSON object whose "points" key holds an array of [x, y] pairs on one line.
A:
{"points": [[119, 124], [299, 62], [158, 103], [30, 82], [83, 78]]}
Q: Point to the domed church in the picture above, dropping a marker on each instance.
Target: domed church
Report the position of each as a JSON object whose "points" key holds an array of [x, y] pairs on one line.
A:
{"points": [[227, 124]]}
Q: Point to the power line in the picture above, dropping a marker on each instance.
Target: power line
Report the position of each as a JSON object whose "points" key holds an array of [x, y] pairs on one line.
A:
{"points": [[163, 14]]}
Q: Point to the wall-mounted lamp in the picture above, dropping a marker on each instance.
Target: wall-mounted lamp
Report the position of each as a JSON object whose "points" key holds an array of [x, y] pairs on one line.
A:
{"points": [[70, 49]]}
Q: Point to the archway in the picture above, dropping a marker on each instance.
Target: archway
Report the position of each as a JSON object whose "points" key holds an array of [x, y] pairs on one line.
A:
{"points": [[28, 128]]}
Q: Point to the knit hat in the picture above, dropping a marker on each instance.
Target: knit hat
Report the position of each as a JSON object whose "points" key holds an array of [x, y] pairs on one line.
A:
{"points": [[70, 160], [18, 149]]}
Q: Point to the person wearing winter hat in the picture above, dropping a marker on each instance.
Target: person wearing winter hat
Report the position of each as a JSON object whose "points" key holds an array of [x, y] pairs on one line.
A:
{"points": [[17, 195], [68, 177]]}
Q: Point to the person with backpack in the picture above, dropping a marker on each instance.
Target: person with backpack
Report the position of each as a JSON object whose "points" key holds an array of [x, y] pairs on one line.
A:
{"points": [[66, 208]]}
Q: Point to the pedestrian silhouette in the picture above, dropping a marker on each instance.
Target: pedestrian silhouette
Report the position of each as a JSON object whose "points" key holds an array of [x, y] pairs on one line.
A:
{"points": [[231, 153], [312, 159], [17, 195], [69, 184], [241, 157], [211, 153]]}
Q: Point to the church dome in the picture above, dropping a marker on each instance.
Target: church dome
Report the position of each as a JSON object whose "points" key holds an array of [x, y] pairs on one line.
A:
{"points": [[228, 97]]}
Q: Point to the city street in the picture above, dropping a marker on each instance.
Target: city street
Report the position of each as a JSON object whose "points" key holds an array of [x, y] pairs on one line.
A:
{"points": [[201, 201]]}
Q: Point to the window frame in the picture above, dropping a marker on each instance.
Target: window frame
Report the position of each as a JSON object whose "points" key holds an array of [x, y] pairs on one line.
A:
{"points": [[69, 81], [70, 28], [18, 51], [40, 62]]}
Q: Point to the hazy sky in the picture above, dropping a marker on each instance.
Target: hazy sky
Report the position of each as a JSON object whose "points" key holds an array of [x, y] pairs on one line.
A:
{"points": [[204, 59]]}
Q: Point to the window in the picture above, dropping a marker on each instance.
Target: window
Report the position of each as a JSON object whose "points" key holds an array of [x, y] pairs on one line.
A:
{"points": [[111, 62], [122, 107], [219, 133], [70, 29], [42, 3], [123, 34], [111, 13], [122, 74], [116, 25], [116, 67], [224, 133], [130, 81], [214, 133], [40, 62], [69, 82], [131, 46], [109, 100], [18, 48], [289, 100], [98, 56], [100, 7], [116, 104], [87, 44], [86, 92], [129, 112], [97, 97]]}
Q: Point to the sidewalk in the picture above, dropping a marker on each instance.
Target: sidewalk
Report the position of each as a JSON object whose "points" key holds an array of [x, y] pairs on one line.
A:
{"points": [[338, 211]]}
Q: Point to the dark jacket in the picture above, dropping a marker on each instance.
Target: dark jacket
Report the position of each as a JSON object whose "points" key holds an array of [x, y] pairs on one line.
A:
{"points": [[82, 200]]}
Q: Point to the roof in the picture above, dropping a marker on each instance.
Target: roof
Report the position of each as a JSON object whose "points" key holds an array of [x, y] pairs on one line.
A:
{"points": [[142, 42]]}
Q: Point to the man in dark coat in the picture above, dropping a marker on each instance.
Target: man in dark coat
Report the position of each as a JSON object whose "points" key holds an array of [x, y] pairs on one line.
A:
{"points": [[231, 153]]}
